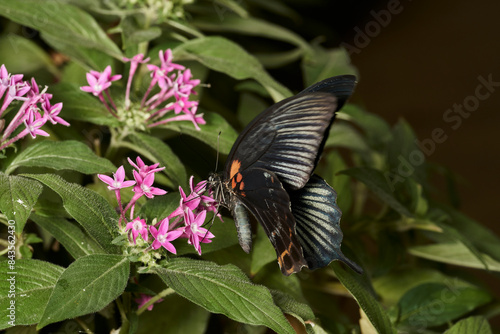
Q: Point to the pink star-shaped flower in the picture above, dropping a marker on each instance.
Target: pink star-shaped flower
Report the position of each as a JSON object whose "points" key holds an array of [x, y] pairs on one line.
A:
{"points": [[193, 230], [136, 227], [144, 169], [144, 187], [118, 180], [163, 236]]}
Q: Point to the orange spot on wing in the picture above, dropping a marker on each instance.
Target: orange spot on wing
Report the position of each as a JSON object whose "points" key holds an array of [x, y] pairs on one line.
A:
{"points": [[283, 266], [235, 168]]}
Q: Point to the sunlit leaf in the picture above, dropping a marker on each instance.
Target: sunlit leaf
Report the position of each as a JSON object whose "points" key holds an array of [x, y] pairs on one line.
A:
{"points": [[476, 325], [454, 253]]}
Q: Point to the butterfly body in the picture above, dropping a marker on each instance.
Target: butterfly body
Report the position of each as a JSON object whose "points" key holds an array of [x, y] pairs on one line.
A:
{"points": [[269, 173]]}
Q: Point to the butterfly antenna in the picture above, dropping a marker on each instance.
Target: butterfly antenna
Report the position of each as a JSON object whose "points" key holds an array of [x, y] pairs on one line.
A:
{"points": [[208, 229], [217, 159], [218, 193]]}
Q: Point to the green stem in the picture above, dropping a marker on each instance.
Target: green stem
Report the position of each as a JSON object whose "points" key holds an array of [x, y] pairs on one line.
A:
{"points": [[84, 326], [359, 199], [115, 143], [164, 293]]}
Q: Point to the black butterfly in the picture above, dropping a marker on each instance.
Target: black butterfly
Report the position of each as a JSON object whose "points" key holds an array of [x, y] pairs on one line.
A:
{"points": [[269, 172]]}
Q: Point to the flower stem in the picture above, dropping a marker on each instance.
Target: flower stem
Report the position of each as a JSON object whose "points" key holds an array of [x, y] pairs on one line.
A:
{"points": [[164, 293]]}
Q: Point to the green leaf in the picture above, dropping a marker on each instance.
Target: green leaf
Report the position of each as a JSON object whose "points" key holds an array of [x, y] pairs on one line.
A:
{"points": [[222, 55], [281, 9], [360, 289], [89, 209], [453, 235], [278, 59], [90, 59], [271, 277], [480, 236], [86, 286], [393, 286], [34, 281], [476, 325], [18, 195], [232, 5], [334, 163], [433, 304], [262, 251], [376, 130], [454, 253], [133, 34], [160, 206], [74, 240], [380, 185], [60, 21], [254, 27], [419, 203], [224, 289], [403, 153], [290, 306], [249, 106], [69, 154], [156, 150], [209, 133], [345, 135], [23, 55], [82, 106], [225, 236], [320, 64]]}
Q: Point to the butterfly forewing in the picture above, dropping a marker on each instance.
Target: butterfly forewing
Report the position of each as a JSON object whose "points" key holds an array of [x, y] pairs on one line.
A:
{"points": [[287, 141]]}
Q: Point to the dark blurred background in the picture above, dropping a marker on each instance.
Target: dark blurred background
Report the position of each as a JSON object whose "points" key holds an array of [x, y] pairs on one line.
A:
{"points": [[428, 57], [424, 61]]}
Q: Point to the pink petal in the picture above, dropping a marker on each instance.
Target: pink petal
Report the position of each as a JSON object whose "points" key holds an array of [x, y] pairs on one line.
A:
{"points": [[120, 174], [106, 179]]}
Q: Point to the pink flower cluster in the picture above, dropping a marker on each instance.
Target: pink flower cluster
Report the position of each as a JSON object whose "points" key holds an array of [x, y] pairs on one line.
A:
{"points": [[34, 111], [191, 212], [172, 83]]}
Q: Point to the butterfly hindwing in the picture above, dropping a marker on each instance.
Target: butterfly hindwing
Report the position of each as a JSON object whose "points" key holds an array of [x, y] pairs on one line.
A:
{"points": [[317, 218], [263, 195]]}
